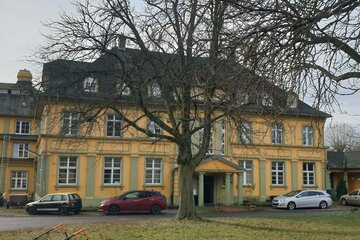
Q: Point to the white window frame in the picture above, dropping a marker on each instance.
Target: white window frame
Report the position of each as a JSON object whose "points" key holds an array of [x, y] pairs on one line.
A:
{"points": [[151, 170], [22, 127], [70, 123], [276, 173], [20, 150], [155, 90], [308, 174], [308, 135], [245, 132], [154, 128], [113, 169], [90, 84], [68, 170], [116, 121], [277, 133], [19, 182], [248, 174]]}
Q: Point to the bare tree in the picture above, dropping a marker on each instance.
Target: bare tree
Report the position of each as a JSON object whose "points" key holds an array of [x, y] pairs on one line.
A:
{"points": [[199, 57], [342, 137], [315, 43]]}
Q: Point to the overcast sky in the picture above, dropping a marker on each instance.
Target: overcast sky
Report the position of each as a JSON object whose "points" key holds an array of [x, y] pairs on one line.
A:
{"points": [[20, 36]]}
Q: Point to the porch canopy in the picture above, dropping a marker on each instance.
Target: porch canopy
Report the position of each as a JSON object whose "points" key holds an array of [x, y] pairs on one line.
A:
{"points": [[218, 164]]}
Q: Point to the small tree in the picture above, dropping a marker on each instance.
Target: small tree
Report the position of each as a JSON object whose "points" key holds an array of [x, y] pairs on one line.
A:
{"points": [[341, 188]]}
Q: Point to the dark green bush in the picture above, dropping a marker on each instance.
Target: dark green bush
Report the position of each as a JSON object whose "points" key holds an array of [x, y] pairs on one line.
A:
{"points": [[341, 188]]}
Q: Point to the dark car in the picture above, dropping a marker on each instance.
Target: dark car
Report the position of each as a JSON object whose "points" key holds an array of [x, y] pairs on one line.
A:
{"points": [[134, 201], [62, 203]]}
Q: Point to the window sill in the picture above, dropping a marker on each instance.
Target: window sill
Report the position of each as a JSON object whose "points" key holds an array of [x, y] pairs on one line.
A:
{"points": [[278, 186], [153, 185], [68, 186], [309, 186], [112, 186], [19, 190]]}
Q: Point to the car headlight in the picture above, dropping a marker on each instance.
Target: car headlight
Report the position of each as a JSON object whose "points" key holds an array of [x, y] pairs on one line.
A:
{"points": [[282, 200]]}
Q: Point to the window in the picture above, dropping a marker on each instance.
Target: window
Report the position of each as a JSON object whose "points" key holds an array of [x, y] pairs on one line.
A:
{"points": [[222, 137], [70, 123], [19, 180], [68, 170], [292, 100], [277, 173], [113, 125], [309, 174], [247, 165], [125, 90], [245, 132], [154, 90], [153, 171], [22, 127], [241, 98], [154, 128], [112, 170], [210, 148], [20, 150], [267, 100], [308, 135], [277, 133], [90, 84]]}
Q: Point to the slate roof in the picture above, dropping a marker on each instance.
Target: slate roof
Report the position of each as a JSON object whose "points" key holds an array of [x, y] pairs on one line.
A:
{"points": [[65, 78], [17, 104], [342, 160]]}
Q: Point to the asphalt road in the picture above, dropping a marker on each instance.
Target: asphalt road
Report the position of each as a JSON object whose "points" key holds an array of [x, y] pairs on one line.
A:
{"points": [[11, 223]]}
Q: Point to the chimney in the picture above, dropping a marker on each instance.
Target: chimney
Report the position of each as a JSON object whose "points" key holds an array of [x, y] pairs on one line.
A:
{"points": [[121, 41], [24, 75]]}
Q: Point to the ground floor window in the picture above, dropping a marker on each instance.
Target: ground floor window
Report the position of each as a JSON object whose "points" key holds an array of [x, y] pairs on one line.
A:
{"points": [[153, 171], [19, 180], [247, 166], [309, 174], [68, 170], [112, 170], [277, 173]]}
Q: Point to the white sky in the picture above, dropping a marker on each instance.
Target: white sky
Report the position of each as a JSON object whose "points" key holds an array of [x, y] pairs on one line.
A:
{"points": [[20, 36]]}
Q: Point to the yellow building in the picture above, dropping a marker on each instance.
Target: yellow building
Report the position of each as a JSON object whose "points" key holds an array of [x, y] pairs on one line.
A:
{"points": [[262, 157], [18, 136]]}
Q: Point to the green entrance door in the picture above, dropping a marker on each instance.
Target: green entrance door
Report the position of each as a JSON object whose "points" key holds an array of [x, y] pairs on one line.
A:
{"points": [[208, 189]]}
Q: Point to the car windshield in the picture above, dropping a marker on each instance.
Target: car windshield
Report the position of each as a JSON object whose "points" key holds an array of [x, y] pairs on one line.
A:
{"points": [[292, 193]]}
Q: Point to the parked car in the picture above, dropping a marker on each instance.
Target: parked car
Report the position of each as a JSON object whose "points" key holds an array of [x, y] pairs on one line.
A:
{"points": [[134, 201], [352, 198], [62, 203], [303, 199]]}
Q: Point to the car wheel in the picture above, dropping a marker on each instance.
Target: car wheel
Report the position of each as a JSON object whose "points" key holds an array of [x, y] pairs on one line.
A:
{"points": [[113, 210], [63, 211], [343, 202], [31, 210], [291, 206], [156, 209], [323, 205]]}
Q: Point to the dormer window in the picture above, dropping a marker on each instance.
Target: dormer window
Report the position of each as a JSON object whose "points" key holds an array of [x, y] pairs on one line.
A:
{"points": [[241, 98], [90, 84], [154, 90], [123, 89], [267, 100], [292, 100]]}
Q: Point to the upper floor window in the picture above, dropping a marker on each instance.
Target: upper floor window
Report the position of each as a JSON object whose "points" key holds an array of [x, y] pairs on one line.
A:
{"points": [[70, 121], [113, 125], [153, 171], [277, 133], [22, 127], [222, 137], [245, 135], [154, 128], [308, 135], [68, 170], [247, 166], [19, 180], [90, 84], [20, 150], [154, 90], [112, 170]]}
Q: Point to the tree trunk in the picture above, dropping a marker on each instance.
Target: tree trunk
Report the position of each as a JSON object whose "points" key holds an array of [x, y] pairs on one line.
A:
{"points": [[186, 206]]}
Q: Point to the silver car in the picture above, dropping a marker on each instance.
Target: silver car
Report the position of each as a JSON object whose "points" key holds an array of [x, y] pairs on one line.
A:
{"points": [[303, 199], [352, 198]]}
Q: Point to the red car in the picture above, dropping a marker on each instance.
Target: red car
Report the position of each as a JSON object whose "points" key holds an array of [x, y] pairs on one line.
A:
{"points": [[134, 201]]}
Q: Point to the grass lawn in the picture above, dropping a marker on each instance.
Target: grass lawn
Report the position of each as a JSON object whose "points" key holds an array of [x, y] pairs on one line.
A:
{"points": [[335, 225]]}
